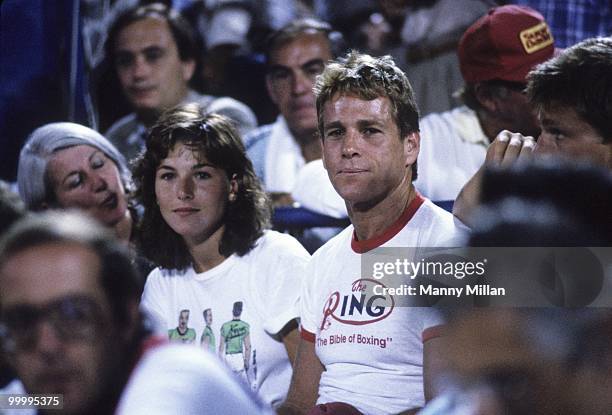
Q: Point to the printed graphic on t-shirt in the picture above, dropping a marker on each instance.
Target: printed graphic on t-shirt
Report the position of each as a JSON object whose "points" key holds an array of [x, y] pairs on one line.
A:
{"points": [[182, 333], [235, 345], [208, 336], [357, 306]]}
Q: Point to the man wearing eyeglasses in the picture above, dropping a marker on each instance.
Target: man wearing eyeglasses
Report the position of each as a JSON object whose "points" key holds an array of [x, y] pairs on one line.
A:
{"points": [[495, 55], [70, 324]]}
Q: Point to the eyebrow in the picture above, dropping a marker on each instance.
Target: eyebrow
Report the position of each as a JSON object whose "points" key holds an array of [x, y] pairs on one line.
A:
{"points": [[278, 67], [194, 167]]}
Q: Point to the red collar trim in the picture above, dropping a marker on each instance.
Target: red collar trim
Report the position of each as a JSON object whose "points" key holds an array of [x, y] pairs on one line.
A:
{"points": [[361, 247]]}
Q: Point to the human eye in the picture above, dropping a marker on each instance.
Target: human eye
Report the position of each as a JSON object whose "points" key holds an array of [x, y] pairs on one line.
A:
{"points": [[97, 162], [165, 175], [124, 59], [202, 175], [314, 69], [74, 181], [371, 131], [279, 75], [153, 55], [556, 133], [334, 133]]}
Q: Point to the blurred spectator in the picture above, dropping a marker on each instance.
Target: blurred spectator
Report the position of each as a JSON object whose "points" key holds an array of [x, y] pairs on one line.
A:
{"points": [[71, 325], [67, 165], [571, 95], [495, 55], [154, 54], [430, 34]]}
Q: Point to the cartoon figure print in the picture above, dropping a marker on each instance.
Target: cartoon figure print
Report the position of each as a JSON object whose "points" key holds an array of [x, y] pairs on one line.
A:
{"points": [[208, 336], [235, 343], [182, 333]]}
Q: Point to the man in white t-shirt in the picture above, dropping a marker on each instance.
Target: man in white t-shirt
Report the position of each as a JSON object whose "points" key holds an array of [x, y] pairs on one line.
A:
{"points": [[356, 348], [495, 55]]}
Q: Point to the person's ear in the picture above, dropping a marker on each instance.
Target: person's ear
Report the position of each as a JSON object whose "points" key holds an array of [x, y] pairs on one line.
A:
{"points": [[485, 97], [233, 188], [412, 145], [272, 93], [188, 68]]}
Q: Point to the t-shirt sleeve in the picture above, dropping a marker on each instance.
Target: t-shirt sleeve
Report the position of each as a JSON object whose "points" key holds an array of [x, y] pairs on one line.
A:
{"points": [[152, 303], [433, 323], [308, 321], [283, 266]]}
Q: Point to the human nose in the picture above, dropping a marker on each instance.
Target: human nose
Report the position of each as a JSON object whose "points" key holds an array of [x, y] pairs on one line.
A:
{"points": [[185, 189], [546, 144], [99, 183], [349, 144], [47, 339], [140, 68], [300, 83]]}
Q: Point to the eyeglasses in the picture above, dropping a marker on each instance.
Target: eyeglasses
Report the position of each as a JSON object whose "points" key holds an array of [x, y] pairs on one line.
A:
{"points": [[72, 318]]}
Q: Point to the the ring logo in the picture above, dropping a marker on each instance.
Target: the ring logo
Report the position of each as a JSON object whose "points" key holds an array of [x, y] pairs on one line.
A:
{"points": [[358, 308]]}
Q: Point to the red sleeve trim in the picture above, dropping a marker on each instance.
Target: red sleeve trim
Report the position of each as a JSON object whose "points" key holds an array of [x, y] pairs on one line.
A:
{"points": [[306, 335], [361, 247], [432, 332]]}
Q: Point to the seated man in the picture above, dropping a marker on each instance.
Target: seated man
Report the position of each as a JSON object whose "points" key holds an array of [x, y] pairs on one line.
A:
{"points": [[71, 326], [495, 55], [296, 54], [368, 122], [571, 94], [153, 51]]}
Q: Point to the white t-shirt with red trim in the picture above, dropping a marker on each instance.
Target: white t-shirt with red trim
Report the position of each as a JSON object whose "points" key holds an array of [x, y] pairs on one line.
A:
{"points": [[373, 355]]}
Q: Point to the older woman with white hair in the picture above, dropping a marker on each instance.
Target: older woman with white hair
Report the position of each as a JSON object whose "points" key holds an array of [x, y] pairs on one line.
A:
{"points": [[67, 165]]}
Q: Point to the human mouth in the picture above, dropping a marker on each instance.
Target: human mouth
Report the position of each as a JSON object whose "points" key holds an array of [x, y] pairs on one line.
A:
{"points": [[185, 211], [110, 202], [351, 171]]}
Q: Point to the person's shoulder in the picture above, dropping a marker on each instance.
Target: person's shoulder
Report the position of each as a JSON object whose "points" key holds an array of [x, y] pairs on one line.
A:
{"points": [[163, 275], [280, 244], [336, 244], [122, 128], [444, 225], [450, 119], [258, 137]]}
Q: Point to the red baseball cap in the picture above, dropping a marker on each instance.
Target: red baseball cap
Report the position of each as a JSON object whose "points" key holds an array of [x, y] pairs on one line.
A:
{"points": [[505, 44]]}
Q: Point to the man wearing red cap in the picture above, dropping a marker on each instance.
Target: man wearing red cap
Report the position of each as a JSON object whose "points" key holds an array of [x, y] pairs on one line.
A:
{"points": [[495, 55]]}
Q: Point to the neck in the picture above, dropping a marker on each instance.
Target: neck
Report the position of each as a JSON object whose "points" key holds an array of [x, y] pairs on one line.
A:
{"points": [[149, 116], [205, 253], [309, 144], [123, 228], [372, 221], [492, 125]]}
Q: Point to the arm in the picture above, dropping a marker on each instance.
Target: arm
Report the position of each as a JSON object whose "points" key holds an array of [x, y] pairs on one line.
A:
{"points": [[290, 336], [504, 151], [304, 388], [221, 345]]}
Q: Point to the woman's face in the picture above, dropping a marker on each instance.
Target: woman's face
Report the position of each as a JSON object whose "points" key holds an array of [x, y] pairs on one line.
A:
{"points": [[192, 194], [84, 177]]}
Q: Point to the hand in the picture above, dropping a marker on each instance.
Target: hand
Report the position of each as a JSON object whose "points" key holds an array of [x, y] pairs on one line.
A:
{"points": [[508, 148]]}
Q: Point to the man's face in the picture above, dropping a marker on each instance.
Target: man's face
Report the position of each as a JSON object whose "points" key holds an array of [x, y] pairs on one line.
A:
{"points": [[362, 151], [516, 110], [59, 322], [208, 317], [293, 68], [565, 133], [149, 68], [183, 319]]}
